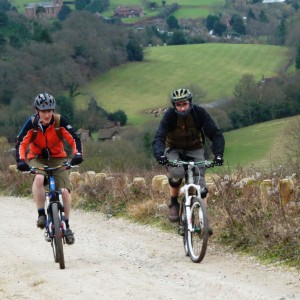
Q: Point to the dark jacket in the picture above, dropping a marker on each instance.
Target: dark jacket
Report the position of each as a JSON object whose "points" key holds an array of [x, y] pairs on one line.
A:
{"points": [[203, 122]]}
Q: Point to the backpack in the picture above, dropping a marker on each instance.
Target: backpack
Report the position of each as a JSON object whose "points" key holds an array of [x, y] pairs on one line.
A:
{"points": [[56, 125]]}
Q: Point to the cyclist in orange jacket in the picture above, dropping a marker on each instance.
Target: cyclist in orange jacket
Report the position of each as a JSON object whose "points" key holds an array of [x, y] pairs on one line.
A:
{"points": [[46, 147]]}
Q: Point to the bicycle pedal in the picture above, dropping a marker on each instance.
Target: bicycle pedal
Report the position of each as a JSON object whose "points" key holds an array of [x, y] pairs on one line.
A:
{"points": [[47, 237]]}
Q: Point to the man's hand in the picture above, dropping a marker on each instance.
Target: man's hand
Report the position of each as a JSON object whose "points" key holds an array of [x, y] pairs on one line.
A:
{"points": [[162, 160], [23, 166], [218, 161], [77, 159]]}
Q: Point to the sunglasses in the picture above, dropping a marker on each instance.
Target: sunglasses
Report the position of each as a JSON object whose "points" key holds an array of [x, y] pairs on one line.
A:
{"points": [[182, 104]]}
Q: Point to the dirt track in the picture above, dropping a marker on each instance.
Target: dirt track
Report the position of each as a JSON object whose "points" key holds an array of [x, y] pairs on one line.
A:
{"points": [[113, 258]]}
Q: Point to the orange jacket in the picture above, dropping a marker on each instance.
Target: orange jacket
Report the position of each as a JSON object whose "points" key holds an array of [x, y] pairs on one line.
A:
{"points": [[46, 138]]}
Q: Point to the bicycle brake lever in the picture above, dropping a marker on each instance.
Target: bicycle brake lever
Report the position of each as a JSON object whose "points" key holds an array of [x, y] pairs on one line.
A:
{"points": [[209, 164]]}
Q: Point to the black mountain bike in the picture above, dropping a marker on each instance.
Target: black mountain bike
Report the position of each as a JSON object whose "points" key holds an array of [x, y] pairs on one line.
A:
{"points": [[56, 226], [193, 221]]}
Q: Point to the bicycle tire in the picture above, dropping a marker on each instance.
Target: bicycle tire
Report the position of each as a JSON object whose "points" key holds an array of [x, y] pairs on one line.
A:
{"points": [[183, 226], [198, 238], [58, 241]]}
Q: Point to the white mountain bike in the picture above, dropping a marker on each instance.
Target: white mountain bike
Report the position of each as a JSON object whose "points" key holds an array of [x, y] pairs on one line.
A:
{"points": [[193, 221]]}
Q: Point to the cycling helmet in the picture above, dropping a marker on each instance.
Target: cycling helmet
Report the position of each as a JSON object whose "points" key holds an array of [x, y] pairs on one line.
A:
{"points": [[44, 101], [180, 95]]}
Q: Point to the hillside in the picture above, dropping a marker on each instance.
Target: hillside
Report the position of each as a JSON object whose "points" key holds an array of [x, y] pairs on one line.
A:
{"points": [[216, 68], [260, 145]]}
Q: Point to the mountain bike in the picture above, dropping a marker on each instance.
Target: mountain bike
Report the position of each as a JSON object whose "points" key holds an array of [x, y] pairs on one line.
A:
{"points": [[193, 217], [56, 226]]}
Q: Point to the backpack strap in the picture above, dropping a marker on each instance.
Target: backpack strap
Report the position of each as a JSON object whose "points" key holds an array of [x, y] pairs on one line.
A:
{"points": [[35, 130], [57, 126]]}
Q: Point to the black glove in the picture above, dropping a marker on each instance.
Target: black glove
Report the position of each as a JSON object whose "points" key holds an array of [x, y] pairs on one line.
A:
{"points": [[23, 166], [162, 160], [76, 160], [218, 161]]}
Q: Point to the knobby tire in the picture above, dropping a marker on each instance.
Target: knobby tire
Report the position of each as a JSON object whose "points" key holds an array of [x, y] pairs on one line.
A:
{"points": [[183, 225], [198, 240], [58, 241]]}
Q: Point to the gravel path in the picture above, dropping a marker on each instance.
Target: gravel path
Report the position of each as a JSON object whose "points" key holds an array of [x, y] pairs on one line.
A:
{"points": [[113, 258]]}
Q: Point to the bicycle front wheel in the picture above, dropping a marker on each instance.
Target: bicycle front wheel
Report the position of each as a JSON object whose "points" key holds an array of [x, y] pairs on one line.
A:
{"points": [[198, 237], [57, 244], [183, 226]]}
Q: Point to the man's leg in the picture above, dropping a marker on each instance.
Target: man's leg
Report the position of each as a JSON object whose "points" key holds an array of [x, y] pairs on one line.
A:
{"points": [[175, 175], [67, 202], [69, 236], [38, 192]]}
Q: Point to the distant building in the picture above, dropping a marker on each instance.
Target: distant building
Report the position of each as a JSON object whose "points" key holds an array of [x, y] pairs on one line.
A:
{"points": [[84, 135], [43, 9], [129, 11], [112, 134]]}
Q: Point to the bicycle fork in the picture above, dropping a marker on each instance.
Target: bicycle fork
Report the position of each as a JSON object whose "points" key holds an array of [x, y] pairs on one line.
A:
{"points": [[188, 199], [51, 197]]}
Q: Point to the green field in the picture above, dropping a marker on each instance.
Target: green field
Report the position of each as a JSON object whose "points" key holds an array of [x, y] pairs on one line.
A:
{"points": [[21, 4], [261, 145], [192, 12], [216, 68]]}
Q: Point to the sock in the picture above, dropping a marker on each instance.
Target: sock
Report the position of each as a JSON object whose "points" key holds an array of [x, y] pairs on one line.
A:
{"points": [[174, 200], [67, 223], [41, 212]]}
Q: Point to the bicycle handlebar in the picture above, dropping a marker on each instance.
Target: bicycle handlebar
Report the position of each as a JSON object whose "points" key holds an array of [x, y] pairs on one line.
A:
{"points": [[47, 169], [180, 163]]}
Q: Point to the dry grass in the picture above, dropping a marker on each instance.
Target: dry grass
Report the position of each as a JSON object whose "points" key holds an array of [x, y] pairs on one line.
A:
{"points": [[241, 218], [116, 196], [248, 222]]}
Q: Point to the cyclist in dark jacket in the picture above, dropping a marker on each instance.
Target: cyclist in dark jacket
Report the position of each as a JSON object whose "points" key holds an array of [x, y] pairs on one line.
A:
{"points": [[181, 134]]}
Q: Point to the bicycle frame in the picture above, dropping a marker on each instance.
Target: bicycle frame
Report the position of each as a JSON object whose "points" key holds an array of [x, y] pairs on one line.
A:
{"points": [[52, 196], [185, 191], [56, 226], [193, 221]]}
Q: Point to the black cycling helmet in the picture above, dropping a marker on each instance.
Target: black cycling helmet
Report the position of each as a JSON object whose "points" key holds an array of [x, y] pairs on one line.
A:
{"points": [[180, 95], [44, 101]]}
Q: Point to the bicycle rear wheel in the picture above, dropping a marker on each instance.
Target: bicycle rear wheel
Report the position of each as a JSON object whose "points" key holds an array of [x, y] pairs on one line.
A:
{"points": [[57, 242], [183, 226], [198, 238]]}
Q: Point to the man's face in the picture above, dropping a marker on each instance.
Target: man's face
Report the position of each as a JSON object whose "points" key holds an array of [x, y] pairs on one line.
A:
{"points": [[45, 116], [182, 105]]}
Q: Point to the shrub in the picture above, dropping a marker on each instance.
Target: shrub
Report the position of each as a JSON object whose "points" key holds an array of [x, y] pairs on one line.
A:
{"points": [[247, 222]]}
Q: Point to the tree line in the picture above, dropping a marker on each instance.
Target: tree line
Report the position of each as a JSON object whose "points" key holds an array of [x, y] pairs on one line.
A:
{"points": [[260, 101], [62, 55], [57, 57]]}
